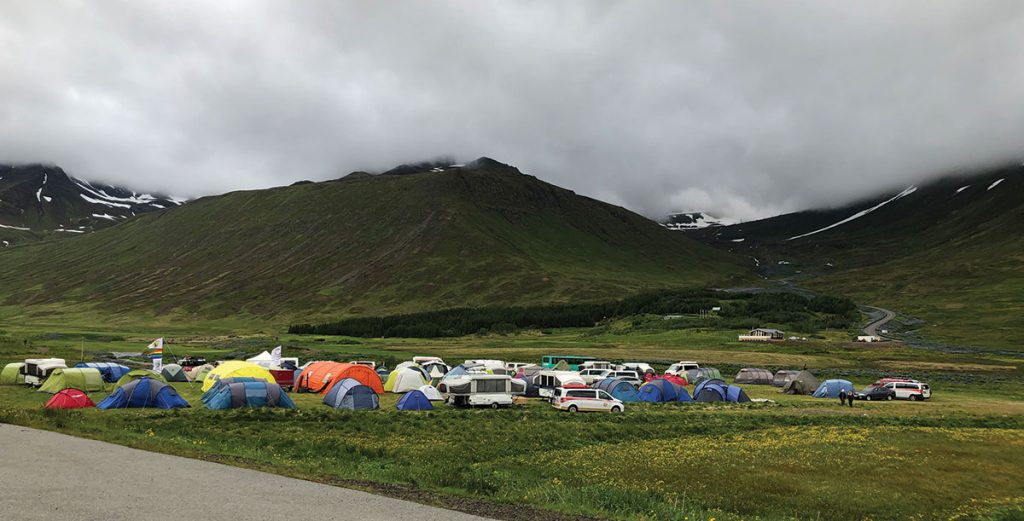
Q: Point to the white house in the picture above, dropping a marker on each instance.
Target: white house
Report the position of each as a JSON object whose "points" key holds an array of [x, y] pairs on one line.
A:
{"points": [[763, 335]]}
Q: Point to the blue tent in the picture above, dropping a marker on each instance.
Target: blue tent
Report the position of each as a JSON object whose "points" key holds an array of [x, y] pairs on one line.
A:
{"points": [[620, 389], [736, 394], [660, 390], [248, 394], [144, 392], [700, 386], [111, 372], [831, 388], [710, 392], [718, 391], [350, 394], [414, 401], [222, 382]]}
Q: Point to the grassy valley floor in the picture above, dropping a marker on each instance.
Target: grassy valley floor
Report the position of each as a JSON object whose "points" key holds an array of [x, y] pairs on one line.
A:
{"points": [[957, 456]]}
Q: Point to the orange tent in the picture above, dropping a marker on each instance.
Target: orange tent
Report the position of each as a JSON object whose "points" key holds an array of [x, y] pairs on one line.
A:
{"points": [[319, 377]]}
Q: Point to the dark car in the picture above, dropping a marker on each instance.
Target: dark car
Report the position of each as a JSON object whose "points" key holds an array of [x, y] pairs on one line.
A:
{"points": [[872, 393]]}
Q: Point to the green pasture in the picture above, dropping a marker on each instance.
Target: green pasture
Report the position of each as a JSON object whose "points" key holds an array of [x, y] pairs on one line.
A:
{"points": [[957, 456]]}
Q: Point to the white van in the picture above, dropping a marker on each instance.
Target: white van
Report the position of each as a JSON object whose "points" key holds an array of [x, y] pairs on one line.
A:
{"points": [[548, 381], [575, 400], [478, 389], [595, 364], [680, 368], [640, 368], [912, 391]]}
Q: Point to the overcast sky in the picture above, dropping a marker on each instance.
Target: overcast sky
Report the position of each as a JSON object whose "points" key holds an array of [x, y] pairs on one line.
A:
{"points": [[740, 108]]}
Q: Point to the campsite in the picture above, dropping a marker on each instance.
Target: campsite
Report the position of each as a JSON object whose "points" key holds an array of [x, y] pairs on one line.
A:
{"points": [[529, 460]]}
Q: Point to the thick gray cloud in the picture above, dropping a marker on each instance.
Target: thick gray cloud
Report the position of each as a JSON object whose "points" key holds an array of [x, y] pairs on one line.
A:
{"points": [[740, 108]]}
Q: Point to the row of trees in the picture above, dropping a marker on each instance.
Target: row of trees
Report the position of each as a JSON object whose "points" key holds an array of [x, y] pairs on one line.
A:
{"points": [[777, 308]]}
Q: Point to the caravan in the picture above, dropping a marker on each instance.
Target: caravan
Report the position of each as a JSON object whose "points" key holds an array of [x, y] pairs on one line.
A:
{"points": [[36, 370], [473, 389], [548, 381]]}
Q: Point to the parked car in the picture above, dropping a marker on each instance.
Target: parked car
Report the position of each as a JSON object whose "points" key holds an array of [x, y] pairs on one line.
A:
{"points": [[875, 392], [368, 363], [680, 368], [640, 368], [575, 400], [913, 391], [629, 376], [590, 376]]}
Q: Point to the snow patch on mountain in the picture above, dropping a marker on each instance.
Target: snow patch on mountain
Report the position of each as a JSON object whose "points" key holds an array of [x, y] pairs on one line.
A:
{"points": [[995, 184], [694, 221], [859, 214], [962, 188]]}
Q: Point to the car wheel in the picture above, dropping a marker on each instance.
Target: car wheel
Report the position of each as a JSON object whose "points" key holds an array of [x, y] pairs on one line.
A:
{"points": [[888, 397], [616, 409], [913, 398], [868, 397], [573, 408], [494, 405]]}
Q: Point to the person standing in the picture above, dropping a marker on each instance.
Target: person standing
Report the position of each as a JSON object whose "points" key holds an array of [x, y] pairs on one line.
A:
{"points": [[842, 397], [849, 398]]}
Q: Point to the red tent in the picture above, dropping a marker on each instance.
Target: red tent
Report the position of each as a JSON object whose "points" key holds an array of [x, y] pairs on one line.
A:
{"points": [[678, 380], [70, 399]]}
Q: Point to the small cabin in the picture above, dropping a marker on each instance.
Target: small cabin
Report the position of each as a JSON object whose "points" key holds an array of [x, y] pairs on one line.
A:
{"points": [[868, 338], [763, 335]]}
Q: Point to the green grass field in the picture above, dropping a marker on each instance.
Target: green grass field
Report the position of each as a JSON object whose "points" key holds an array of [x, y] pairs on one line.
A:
{"points": [[957, 456]]}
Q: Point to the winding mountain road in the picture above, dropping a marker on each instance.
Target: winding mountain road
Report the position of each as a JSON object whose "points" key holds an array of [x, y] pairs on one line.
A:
{"points": [[872, 328]]}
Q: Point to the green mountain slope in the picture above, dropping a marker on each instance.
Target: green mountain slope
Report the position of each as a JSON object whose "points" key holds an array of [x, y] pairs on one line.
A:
{"points": [[483, 234], [949, 252]]}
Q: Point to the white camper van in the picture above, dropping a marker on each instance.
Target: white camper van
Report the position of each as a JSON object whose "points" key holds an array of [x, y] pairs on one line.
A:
{"points": [[479, 389], [36, 370]]}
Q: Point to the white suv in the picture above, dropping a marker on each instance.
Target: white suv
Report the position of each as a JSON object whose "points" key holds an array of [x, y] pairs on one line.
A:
{"points": [[575, 400], [680, 368], [592, 375], [629, 376], [912, 391]]}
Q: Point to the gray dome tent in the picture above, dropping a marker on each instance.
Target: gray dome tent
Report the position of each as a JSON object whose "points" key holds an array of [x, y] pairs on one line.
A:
{"points": [[783, 377], [803, 383], [173, 373], [750, 375]]}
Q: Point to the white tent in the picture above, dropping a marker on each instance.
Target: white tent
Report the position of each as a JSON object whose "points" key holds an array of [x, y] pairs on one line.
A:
{"points": [[404, 380], [264, 359], [431, 393]]}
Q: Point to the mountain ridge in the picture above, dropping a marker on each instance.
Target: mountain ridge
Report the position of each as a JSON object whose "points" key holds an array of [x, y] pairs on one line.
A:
{"points": [[468, 235]]}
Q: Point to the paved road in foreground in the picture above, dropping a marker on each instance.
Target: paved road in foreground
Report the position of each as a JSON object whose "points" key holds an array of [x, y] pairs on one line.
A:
{"points": [[872, 328], [52, 476]]}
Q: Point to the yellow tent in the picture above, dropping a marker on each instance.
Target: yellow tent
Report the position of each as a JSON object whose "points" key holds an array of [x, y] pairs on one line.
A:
{"points": [[235, 369]]}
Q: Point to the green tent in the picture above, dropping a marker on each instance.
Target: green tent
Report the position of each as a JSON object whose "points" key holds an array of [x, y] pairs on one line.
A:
{"points": [[84, 379], [803, 383], [173, 373], [201, 375], [11, 374], [143, 373]]}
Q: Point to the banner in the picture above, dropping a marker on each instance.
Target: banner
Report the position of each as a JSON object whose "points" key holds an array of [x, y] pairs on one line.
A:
{"points": [[276, 354], [156, 349], [158, 364]]}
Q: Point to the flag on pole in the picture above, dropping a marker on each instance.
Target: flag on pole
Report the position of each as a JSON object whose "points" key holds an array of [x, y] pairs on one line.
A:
{"points": [[156, 349], [158, 364], [276, 354]]}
